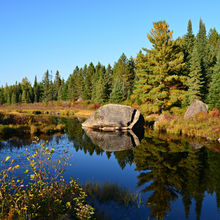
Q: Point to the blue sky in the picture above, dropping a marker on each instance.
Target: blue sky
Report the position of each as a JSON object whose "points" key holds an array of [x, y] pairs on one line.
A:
{"points": [[37, 35]]}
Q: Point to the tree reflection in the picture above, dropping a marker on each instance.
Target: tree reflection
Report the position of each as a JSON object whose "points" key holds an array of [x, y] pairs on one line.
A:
{"points": [[173, 169], [161, 166]]}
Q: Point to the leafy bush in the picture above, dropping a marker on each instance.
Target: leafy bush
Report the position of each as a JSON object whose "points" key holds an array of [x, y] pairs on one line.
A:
{"points": [[47, 195]]}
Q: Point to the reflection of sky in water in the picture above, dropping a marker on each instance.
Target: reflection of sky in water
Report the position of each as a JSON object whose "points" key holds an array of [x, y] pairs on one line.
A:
{"points": [[101, 169]]}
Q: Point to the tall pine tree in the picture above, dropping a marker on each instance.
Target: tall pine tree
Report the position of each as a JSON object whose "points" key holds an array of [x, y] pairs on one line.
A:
{"points": [[214, 92], [188, 44], [57, 84], [202, 48], [2, 100], [195, 82], [124, 70], [47, 88], [160, 74], [117, 95], [87, 93]]}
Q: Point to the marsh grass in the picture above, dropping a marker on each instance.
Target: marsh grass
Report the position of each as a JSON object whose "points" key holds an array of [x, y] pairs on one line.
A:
{"points": [[202, 125], [20, 124], [69, 109], [112, 192]]}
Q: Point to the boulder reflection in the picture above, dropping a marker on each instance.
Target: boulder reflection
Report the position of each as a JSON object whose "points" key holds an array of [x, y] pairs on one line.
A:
{"points": [[114, 141]]}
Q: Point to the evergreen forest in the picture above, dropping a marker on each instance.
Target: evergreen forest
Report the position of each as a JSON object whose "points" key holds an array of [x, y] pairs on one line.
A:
{"points": [[164, 78]]}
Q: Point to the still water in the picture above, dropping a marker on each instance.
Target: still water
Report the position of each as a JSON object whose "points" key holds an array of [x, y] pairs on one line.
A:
{"points": [[141, 176]]}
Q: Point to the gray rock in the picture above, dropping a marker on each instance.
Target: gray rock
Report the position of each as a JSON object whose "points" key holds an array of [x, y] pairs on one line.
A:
{"points": [[112, 117], [196, 107], [113, 141], [66, 217], [196, 145]]}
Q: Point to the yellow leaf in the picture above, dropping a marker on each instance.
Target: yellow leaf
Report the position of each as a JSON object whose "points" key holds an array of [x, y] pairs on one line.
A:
{"points": [[16, 166], [7, 158]]}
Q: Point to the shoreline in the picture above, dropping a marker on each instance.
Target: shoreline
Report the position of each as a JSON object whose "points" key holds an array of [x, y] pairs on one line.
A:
{"points": [[205, 126]]}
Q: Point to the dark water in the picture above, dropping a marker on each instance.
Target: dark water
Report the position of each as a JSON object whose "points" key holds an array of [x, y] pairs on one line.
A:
{"points": [[166, 177]]}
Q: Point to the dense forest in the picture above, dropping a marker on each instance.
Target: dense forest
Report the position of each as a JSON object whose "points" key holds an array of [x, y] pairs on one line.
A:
{"points": [[165, 78]]}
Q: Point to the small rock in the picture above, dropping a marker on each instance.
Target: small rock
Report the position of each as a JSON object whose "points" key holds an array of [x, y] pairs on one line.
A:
{"points": [[195, 108], [196, 145]]}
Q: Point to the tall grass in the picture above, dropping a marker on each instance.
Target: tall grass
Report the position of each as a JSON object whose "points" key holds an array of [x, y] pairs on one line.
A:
{"points": [[203, 125]]}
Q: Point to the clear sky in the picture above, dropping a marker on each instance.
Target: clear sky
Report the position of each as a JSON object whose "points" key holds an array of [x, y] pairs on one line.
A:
{"points": [[36, 35]]}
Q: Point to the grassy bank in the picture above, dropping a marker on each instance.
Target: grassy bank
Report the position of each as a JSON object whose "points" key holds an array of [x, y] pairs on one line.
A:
{"points": [[202, 125], [29, 118], [12, 124]]}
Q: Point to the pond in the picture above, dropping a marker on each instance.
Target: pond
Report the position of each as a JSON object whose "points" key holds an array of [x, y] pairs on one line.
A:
{"points": [[136, 176]]}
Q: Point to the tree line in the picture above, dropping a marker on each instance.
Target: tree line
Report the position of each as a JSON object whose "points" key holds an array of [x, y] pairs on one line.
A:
{"points": [[165, 78]]}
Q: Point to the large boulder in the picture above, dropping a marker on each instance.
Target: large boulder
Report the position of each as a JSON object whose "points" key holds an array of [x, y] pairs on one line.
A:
{"points": [[113, 117], [195, 108]]}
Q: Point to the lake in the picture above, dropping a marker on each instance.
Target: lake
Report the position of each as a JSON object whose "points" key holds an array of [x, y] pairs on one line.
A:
{"points": [[136, 175]]}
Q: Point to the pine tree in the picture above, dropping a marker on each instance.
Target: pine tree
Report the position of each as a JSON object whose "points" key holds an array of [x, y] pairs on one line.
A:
{"points": [[99, 93], [202, 47], [7, 92], [213, 39], [2, 100], [142, 86], [95, 80], [36, 90], [26, 91], [24, 96], [79, 84], [71, 85], [214, 91], [88, 82], [100, 90], [47, 88], [108, 78], [63, 91], [117, 95], [57, 83], [188, 44], [124, 70], [163, 86], [195, 77], [131, 75], [14, 98], [75, 84]]}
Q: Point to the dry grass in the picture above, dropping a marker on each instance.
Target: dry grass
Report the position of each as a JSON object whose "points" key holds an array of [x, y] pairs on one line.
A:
{"points": [[53, 108], [202, 125]]}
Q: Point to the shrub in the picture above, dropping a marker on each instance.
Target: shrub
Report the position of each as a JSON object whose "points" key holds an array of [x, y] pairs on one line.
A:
{"points": [[94, 106], [214, 112], [47, 195], [34, 129]]}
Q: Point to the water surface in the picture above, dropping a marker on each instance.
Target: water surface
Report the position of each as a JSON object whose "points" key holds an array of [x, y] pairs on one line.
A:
{"points": [[167, 177]]}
